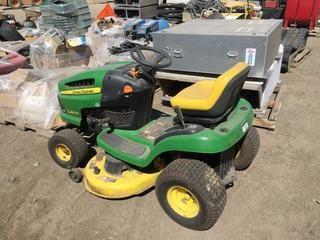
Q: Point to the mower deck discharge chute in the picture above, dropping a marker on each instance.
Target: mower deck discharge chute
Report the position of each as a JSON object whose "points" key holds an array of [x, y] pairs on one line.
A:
{"points": [[189, 158]]}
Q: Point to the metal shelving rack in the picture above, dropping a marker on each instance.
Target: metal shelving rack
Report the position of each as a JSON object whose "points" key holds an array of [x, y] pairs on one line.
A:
{"points": [[136, 8]]}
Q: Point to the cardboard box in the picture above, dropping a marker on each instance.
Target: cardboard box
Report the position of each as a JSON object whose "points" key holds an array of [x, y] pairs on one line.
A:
{"points": [[8, 100]]}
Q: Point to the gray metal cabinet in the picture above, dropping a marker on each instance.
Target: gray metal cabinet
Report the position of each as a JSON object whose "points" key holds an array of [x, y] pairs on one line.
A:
{"points": [[213, 46]]}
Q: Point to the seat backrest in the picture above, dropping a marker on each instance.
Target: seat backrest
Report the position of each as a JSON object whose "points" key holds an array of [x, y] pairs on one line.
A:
{"points": [[227, 88]]}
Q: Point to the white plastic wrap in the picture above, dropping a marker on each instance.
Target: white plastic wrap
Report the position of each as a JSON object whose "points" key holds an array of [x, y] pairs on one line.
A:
{"points": [[6, 84], [9, 85], [43, 50], [100, 43], [10, 82], [38, 103], [35, 98], [50, 52]]}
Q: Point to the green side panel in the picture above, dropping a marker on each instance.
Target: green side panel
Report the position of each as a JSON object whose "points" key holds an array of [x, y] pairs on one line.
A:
{"points": [[206, 141], [72, 105]]}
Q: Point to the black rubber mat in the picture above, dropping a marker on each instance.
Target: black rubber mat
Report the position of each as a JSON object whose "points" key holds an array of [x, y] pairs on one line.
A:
{"points": [[124, 145], [293, 39]]}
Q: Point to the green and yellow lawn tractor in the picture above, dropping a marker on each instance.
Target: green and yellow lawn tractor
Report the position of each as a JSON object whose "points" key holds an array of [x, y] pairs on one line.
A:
{"points": [[190, 158]]}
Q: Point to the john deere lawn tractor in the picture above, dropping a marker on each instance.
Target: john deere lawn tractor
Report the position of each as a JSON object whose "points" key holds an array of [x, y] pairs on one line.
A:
{"points": [[190, 158]]}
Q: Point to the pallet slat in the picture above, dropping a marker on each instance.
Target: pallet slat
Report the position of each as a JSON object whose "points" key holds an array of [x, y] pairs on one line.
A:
{"points": [[47, 133], [268, 121], [264, 123], [277, 106], [300, 57]]}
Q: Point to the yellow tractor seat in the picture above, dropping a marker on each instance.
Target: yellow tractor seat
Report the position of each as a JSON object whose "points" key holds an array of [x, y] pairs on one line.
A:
{"points": [[212, 99]]}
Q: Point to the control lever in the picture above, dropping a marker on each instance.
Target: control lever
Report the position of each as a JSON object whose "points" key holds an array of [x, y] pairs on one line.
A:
{"points": [[180, 116]]}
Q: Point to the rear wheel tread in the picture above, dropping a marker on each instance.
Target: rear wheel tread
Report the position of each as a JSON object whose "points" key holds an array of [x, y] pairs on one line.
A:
{"points": [[248, 150]]}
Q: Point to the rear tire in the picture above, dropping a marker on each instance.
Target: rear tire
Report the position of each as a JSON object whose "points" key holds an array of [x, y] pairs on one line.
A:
{"points": [[191, 193], [248, 149], [68, 148]]}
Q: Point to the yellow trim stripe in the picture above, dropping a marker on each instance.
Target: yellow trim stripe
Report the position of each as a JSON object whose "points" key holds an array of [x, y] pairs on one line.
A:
{"points": [[81, 91]]}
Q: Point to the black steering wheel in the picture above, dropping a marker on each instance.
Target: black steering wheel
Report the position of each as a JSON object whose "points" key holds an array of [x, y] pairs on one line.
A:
{"points": [[161, 58]]}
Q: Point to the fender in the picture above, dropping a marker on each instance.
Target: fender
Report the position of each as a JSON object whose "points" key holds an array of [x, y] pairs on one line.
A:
{"points": [[210, 141]]}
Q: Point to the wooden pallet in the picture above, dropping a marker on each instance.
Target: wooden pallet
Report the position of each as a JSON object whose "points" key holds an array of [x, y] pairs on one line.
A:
{"points": [[269, 119], [299, 56], [315, 32], [47, 133]]}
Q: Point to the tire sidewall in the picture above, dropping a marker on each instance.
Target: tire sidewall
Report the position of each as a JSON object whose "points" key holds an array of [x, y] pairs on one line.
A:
{"points": [[244, 151], [243, 160], [53, 142], [247, 150]]}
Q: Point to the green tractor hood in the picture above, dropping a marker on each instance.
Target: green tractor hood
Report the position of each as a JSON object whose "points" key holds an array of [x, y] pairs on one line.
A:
{"points": [[83, 91]]}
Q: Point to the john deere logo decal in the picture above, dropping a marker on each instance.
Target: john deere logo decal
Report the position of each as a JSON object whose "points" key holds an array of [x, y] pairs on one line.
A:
{"points": [[83, 91]]}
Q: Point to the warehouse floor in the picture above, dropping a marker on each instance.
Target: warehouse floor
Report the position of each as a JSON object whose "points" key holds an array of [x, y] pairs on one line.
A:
{"points": [[278, 197]]}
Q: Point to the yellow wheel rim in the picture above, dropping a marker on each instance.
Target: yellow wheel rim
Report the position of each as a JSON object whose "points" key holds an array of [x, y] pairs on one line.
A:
{"points": [[183, 202], [63, 152]]}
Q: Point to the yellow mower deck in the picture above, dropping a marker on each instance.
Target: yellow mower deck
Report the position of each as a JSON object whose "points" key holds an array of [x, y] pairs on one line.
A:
{"points": [[106, 185]]}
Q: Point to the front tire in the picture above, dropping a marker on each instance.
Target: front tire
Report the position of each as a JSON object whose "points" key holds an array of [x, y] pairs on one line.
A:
{"points": [[248, 149], [68, 148], [191, 193]]}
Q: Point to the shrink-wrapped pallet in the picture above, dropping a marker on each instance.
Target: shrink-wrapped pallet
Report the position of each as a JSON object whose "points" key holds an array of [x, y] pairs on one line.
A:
{"points": [[29, 98]]}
